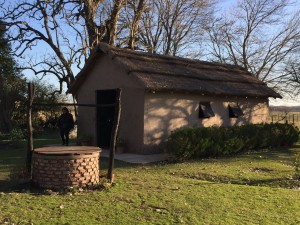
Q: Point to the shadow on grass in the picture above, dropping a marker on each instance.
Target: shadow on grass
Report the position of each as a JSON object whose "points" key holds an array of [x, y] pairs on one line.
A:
{"points": [[10, 183], [289, 183], [8, 186], [28, 187], [277, 154], [283, 153]]}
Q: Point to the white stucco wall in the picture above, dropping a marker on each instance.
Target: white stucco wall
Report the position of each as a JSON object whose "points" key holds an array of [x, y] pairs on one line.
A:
{"points": [[148, 118], [165, 112], [107, 75]]}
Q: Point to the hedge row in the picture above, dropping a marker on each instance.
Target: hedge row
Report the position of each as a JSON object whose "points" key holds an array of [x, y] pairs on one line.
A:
{"points": [[199, 142]]}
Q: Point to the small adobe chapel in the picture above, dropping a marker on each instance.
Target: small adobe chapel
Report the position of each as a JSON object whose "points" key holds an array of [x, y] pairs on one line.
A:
{"points": [[162, 93]]}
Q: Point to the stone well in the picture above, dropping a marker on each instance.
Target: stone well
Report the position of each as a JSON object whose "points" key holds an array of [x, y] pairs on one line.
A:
{"points": [[63, 167]]}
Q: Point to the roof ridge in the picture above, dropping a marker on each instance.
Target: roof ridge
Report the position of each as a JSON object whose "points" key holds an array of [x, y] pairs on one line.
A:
{"points": [[161, 72], [195, 64], [136, 55], [196, 77]]}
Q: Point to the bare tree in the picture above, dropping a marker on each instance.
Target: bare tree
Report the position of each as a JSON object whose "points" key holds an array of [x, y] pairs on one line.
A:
{"points": [[258, 35], [290, 78], [31, 24], [170, 26], [87, 10], [113, 22], [134, 26], [69, 29], [100, 19], [129, 23]]}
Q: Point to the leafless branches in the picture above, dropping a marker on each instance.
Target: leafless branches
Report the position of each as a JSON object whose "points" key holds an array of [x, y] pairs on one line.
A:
{"points": [[169, 26], [40, 24], [67, 30], [258, 35]]}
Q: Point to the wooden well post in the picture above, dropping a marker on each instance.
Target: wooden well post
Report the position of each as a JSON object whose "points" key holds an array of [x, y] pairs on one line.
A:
{"points": [[114, 135], [29, 126]]}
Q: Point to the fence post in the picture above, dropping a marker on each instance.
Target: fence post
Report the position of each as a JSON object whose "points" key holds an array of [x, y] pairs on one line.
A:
{"points": [[293, 119], [114, 135], [29, 127]]}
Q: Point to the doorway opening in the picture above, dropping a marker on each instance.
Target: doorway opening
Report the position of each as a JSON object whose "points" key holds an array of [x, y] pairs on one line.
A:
{"points": [[105, 116]]}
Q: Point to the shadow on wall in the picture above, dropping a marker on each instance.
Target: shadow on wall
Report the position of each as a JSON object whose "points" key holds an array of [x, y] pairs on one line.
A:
{"points": [[254, 112], [162, 116]]}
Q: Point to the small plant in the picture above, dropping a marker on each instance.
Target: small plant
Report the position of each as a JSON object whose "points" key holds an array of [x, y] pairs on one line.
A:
{"points": [[16, 135]]}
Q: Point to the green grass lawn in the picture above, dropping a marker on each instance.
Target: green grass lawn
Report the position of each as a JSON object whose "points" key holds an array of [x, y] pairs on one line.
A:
{"points": [[254, 188]]}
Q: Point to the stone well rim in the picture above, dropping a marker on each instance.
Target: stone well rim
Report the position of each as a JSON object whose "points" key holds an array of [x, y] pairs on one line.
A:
{"points": [[66, 152]]}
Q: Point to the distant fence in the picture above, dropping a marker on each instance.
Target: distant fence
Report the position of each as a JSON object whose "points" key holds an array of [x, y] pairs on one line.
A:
{"points": [[290, 118]]}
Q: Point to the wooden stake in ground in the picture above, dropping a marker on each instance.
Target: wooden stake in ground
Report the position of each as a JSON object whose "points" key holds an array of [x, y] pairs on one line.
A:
{"points": [[29, 126], [114, 135]]}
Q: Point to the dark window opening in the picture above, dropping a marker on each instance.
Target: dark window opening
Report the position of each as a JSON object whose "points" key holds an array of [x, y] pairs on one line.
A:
{"points": [[205, 110], [235, 111]]}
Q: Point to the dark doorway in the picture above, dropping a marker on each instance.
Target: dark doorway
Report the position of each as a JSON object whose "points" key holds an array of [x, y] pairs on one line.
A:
{"points": [[105, 116]]}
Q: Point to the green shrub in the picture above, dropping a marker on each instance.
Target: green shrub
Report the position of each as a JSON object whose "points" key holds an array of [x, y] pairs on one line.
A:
{"points": [[198, 142], [16, 134]]}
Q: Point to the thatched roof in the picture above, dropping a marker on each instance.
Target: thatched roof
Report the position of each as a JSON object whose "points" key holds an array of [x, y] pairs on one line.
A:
{"points": [[168, 73]]}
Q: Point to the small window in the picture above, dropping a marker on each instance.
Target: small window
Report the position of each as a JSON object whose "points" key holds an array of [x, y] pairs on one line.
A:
{"points": [[205, 110], [235, 111]]}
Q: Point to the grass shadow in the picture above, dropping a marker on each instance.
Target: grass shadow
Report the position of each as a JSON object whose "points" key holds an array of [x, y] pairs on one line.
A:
{"points": [[12, 183], [284, 182], [8, 186]]}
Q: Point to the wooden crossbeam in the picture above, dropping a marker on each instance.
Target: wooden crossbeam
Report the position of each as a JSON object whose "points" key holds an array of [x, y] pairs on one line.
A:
{"points": [[73, 104]]}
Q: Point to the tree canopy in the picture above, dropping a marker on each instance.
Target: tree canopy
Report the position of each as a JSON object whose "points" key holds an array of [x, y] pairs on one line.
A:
{"points": [[12, 85], [13, 90]]}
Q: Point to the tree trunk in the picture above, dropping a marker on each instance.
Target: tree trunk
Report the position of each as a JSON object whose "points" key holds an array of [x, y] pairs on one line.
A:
{"points": [[75, 108], [114, 21], [135, 23], [89, 13], [29, 127]]}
